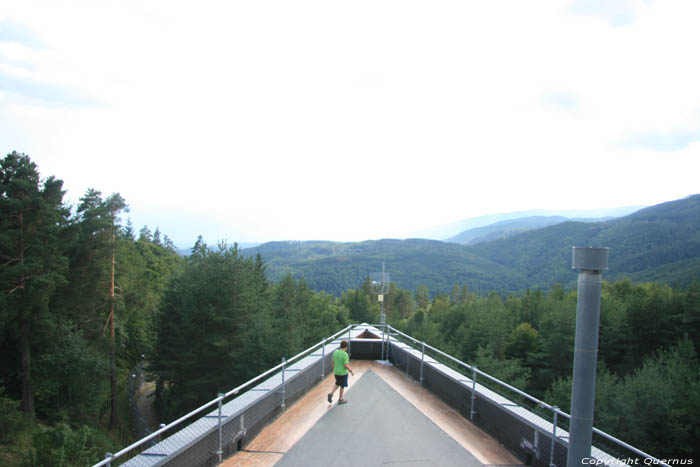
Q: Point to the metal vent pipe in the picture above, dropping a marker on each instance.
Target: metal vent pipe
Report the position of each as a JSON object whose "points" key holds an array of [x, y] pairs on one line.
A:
{"points": [[590, 262]]}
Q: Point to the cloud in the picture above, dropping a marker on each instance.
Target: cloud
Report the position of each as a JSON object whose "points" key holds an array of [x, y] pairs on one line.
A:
{"points": [[291, 120], [28, 72], [45, 94], [616, 12], [668, 141], [561, 101], [17, 33]]}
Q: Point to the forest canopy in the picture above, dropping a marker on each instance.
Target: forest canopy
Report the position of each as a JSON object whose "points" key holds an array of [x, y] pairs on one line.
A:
{"points": [[85, 300]]}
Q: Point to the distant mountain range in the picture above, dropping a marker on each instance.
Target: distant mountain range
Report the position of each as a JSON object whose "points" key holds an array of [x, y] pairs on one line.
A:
{"points": [[505, 229], [658, 243], [188, 251], [455, 229]]}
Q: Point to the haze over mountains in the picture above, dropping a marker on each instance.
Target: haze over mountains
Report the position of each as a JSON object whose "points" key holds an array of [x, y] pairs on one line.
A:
{"points": [[659, 243], [455, 229]]}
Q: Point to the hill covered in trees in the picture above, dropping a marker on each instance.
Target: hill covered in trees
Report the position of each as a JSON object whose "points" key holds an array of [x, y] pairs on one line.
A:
{"points": [[660, 243], [504, 229], [334, 267]]}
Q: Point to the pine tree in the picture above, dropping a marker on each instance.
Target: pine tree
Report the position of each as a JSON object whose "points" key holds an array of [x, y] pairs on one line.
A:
{"points": [[31, 215]]}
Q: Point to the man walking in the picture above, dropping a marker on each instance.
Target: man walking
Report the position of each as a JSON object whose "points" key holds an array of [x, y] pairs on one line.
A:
{"points": [[340, 369]]}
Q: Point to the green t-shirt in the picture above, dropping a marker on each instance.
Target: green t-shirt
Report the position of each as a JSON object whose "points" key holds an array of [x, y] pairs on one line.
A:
{"points": [[340, 359]]}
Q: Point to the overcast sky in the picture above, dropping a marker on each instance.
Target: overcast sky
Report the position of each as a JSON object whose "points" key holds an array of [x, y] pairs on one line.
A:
{"points": [[289, 120]]}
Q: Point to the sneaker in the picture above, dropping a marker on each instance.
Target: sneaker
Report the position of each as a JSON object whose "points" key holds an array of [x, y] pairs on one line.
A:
{"points": [[330, 398], [342, 401]]}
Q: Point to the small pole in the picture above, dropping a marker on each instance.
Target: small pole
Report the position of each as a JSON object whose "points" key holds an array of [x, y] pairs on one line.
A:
{"points": [[162, 425], [349, 339], [220, 451], [422, 360], [284, 363], [108, 455], [472, 411], [323, 359], [554, 435], [388, 343], [383, 330]]}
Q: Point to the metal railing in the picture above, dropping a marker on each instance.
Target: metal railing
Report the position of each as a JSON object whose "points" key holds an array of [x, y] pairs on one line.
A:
{"points": [[481, 385], [198, 413], [555, 411]]}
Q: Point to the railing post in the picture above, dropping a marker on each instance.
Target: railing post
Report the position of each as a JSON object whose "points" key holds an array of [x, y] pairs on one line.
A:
{"points": [[383, 331], [323, 358], [388, 344], [284, 363], [422, 360], [349, 338], [107, 456], [555, 409], [219, 452], [162, 425], [472, 411]]}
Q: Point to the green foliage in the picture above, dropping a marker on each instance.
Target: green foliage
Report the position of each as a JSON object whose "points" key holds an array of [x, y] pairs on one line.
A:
{"points": [[71, 378], [13, 423], [522, 342], [241, 324], [54, 284], [26, 443], [217, 318], [63, 446], [647, 381], [15, 431], [656, 407], [362, 308], [143, 273], [31, 263], [511, 371], [212, 303]]}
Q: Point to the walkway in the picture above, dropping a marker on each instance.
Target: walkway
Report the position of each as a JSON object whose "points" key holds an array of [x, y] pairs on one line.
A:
{"points": [[389, 420]]}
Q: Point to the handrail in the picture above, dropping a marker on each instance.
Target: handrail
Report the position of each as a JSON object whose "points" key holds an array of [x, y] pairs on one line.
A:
{"points": [[471, 368], [235, 391], [531, 398]]}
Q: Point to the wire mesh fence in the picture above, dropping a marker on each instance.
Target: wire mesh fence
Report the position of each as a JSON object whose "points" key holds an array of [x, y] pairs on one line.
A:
{"points": [[139, 425]]}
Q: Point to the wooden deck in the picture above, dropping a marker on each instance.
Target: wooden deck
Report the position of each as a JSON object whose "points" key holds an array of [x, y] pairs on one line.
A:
{"points": [[280, 435]]}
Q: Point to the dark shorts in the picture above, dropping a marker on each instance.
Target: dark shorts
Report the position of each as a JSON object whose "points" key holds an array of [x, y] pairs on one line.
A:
{"points": [[341, 380]]}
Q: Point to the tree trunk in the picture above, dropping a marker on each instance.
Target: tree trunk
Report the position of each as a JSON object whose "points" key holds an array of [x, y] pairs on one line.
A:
{"points": [[114, 416], [27, 394], [25, 329]]}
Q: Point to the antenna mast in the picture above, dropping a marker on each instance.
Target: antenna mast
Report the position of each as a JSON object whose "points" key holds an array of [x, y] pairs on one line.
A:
{"points": [[380, 284]]}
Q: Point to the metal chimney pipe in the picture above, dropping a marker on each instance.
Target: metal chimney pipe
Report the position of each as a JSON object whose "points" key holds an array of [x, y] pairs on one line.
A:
{"points": [[590, 262]]}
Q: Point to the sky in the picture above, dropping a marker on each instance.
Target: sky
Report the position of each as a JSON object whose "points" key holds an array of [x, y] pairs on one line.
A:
{"points": [[253, 121]]}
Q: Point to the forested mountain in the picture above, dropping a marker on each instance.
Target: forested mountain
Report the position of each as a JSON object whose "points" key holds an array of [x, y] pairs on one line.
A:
{"points": [[334, 267], [448, 231], [660, 243], [505, 229]]}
